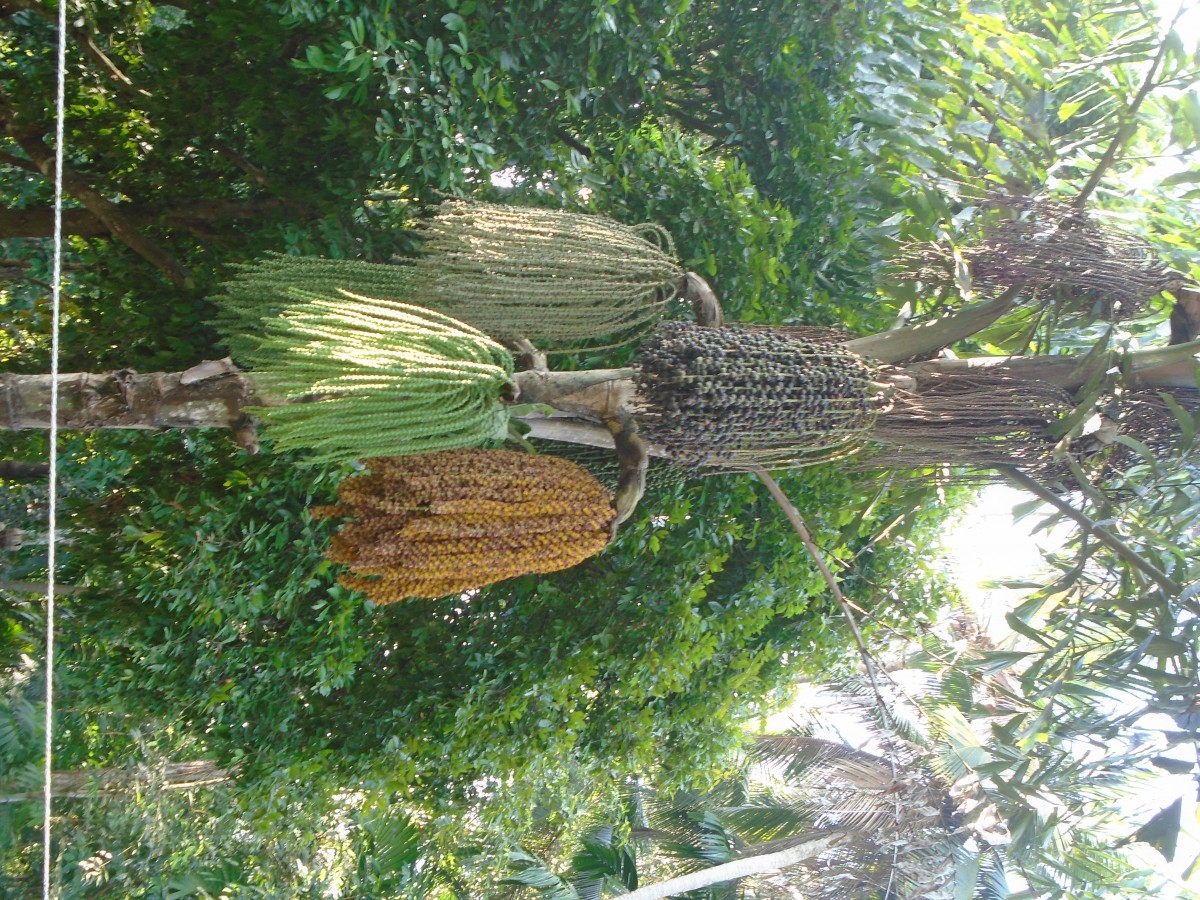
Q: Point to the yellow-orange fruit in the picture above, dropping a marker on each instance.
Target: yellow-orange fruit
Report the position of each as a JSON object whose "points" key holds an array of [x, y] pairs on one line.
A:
{"points": [[443, 523]]}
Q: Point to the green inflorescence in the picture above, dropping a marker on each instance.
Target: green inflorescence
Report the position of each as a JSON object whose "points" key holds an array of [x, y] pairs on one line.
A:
{"points": [[264, 288], [361, 377], [561, 279]]}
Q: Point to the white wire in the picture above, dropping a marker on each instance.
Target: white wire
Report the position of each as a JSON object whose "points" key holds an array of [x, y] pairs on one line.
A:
{"points": [[51, 561]]}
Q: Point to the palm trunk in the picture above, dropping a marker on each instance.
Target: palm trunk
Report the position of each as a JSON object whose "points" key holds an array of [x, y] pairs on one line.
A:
{"points": [[742, 868], [210, 395], [214, 394], [90, 782]]}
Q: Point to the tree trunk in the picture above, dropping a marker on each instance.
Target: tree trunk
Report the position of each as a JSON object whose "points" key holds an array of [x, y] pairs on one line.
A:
{"points": [[214, 394], [91, 782], [210, 395], [743, 867]]}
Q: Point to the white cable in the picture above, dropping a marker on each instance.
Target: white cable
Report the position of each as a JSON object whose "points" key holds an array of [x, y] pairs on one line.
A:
{"points": [[51, 561]]}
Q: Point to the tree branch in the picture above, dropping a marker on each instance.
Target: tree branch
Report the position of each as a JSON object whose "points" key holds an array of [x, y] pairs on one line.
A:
{"points": [[104, 209], [693, 122], [39, 587], [582, 149], [1151, 358], [797, 522], [89, 47], [255, 174], [16, 162], [39, 222], [1103, 535], [19, 470], [1127, 125], [100, 781]]}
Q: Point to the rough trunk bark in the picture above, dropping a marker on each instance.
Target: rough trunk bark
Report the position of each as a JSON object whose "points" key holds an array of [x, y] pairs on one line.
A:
{"points": [[210, 395], [214, 394]]}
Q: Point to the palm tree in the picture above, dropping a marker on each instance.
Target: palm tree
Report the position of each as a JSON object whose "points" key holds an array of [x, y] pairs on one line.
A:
{"points": [[806, 816]]}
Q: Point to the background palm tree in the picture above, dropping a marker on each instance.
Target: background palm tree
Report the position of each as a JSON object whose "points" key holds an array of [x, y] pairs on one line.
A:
{"points": [[805, 816]]}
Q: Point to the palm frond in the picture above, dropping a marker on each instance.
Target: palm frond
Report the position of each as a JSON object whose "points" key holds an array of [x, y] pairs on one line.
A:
{"points": [[799, 756], [993, 880], [601, 862], [531, 872], [760, 823], [961, 752]]}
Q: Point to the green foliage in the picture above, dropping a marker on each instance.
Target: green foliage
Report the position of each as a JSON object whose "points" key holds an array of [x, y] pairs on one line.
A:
{"points": [[208, 602], [1022, 100], [768, 84], [235, 839], [721, 224], [353, 112], [1100, 653], [788, 789], [202, 562], [210, 182], [463, 88], [635, 665]]}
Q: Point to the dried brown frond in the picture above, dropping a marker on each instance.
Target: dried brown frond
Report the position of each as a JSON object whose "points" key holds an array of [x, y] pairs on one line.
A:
{"points": [[1051, 251]]}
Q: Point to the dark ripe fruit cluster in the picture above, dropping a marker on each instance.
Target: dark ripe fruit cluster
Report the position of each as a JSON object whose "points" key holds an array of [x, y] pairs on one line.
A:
{"points": [[714, 394], [443, 523]]}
